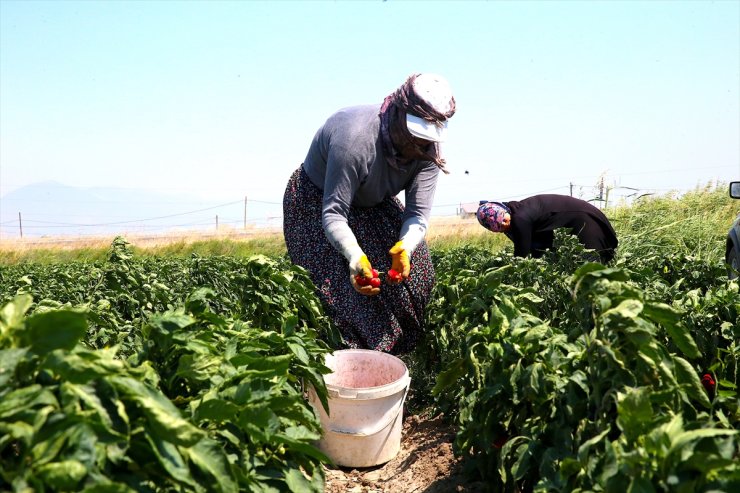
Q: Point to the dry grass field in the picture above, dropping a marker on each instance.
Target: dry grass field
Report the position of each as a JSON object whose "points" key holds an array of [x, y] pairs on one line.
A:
{"points": [[444, 232], [135, 238], [441, 228]]}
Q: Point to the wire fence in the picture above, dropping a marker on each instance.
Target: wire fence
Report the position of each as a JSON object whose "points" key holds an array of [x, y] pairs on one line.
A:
{"points": [[224, 217]]}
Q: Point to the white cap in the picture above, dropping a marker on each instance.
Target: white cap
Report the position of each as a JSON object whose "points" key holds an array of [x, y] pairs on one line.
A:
{"points": [[419, 127], [436, 92]]}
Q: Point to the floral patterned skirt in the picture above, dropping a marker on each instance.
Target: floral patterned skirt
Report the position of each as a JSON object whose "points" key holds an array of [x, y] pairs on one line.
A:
{"points": [[391, 321]]}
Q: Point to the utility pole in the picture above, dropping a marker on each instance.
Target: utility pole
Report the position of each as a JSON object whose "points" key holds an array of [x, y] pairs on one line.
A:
{"points": [[245, 213], [216, 222], [571, 189], [20, 223]]}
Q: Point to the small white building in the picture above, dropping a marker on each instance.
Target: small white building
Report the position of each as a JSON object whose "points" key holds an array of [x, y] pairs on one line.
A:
{"points": [[467, 210]]}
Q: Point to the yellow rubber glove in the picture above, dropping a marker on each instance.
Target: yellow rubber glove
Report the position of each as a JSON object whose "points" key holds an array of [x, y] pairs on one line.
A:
{"points": [[361, 266], [400, 260]]}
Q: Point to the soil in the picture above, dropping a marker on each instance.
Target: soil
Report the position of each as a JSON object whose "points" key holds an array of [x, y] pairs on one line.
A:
{"points": [[425, 464]]}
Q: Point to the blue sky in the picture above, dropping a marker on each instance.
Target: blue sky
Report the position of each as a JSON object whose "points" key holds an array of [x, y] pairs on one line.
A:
{"points": [[221, 99]]}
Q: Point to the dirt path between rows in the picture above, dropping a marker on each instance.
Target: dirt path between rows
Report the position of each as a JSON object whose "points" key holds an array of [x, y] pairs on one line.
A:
{"points": [[425, 464]]}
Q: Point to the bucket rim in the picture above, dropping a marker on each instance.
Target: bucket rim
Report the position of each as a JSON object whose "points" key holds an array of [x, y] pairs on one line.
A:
{"points": [[396, 386]]}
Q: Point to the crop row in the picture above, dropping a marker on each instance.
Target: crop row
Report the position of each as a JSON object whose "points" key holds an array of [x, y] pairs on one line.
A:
{"points": [[569, 376], [159, 374]]}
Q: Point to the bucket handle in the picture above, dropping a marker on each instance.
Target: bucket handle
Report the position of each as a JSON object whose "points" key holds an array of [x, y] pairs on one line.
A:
{"points": [[382, 426]]}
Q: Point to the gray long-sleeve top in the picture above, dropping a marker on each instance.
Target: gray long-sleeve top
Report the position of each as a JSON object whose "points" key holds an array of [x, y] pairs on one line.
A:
{"points": [[346, 160]]}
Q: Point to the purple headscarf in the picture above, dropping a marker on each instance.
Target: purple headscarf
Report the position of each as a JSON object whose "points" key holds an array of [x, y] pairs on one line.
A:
{"points": [[491, 215]]}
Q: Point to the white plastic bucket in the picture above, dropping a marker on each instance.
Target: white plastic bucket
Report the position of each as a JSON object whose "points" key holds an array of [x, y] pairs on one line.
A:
{"points": [[367, 390]]}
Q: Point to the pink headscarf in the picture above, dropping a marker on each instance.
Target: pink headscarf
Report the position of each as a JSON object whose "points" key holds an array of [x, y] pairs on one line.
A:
{"points": [[491, 215]]}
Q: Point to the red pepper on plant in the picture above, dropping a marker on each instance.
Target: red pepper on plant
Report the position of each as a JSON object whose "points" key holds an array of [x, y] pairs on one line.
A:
{"points": [[500, 441], [709, 383]]}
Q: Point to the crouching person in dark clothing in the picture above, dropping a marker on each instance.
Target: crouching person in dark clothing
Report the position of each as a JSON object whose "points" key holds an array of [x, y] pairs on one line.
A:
{"points": [[530, 224]]}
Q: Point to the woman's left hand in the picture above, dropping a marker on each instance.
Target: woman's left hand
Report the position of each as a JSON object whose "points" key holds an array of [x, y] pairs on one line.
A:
{"points": [[399, 263]]}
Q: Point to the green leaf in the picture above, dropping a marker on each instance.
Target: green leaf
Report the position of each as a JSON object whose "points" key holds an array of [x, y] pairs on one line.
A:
{"points": [[64, 475], [569, 467], [671, 322], [261, 422], [109, 487], [17, 431], [9, 360], [195, 368], [303, 448], [640, 485], [273, 365], [216, 410], [580, 380], [589, 273], [299, 351], [681, 439], [58, 329], [87, 395], [171, 322], [521, 468], [170, 458], [585, 449], [163, 416], [12, 313], [662, 313], [83, 366], [687, 376], [528, 296], [610, 463], [623, 314], [296, 481], [535, 378], [635, 414], [608, 353], [57, 435], [21, 399], [316, 380], [209, 458], [447, 378]]}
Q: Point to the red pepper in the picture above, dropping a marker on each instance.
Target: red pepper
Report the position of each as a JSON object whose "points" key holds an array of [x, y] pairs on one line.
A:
{"points": [[365, 281]]}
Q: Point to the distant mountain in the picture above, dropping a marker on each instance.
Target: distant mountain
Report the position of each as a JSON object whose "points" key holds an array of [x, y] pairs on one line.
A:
{"points": [[53, 209]]}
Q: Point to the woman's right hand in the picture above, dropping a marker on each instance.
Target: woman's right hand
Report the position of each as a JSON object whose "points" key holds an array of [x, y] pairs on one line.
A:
{"points": [[361, 268]]}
